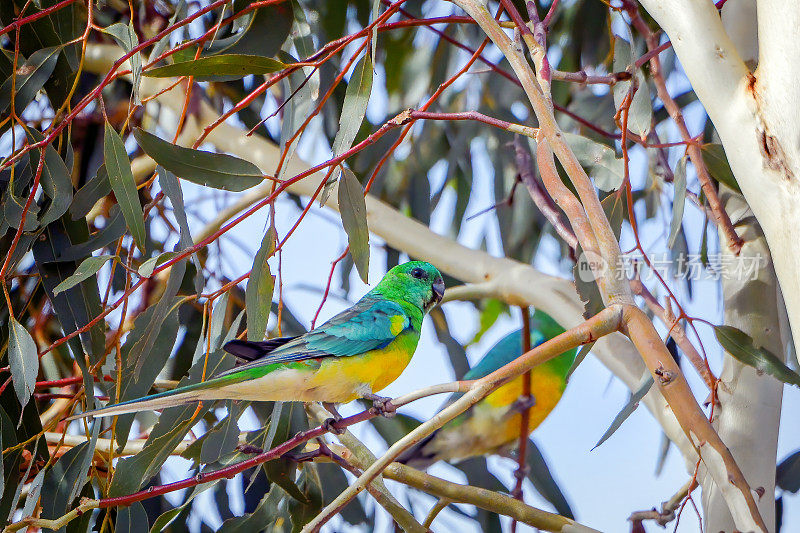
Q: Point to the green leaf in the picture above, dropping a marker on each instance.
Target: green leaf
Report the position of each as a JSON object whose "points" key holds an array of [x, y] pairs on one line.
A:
{"points": [[222, 438], [334, 482], [219, 68], [258, 294], [490, 312], [140, 351], [35, 490], [741, 346], [718, 166], [542, 479], [55, 180], [586, 286], [65, 481], [582, 353], [614, 208], [30, 78], [262, 33], [123, 184], [284, 423], [640, 112], [354, 108], [607, 171], [179, 13], [172, 188], [86, 269], [132, 519], [267, 512], [628, 409], [88, 195], [23, 358], [146, 269], [353, 209], [135, 386], [126, 37], [678, 200], [220, 171]]}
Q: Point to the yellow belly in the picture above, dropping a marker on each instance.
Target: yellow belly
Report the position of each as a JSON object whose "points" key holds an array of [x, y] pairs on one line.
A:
{"points": [[335, 380], [489, 427]]}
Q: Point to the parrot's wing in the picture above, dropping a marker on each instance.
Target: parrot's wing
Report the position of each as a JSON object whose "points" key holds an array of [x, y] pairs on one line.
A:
{"points": [[246, 351], [368, 325]]}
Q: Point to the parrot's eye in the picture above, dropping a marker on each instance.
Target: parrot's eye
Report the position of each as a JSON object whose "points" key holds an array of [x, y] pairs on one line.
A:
{"points": [[418, 273]]}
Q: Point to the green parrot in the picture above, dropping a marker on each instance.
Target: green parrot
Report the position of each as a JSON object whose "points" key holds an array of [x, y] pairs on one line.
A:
{"points": [[493, 424], [353, 355]]}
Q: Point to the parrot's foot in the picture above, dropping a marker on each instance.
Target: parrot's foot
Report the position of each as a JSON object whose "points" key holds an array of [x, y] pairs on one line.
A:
{"points": [[381, 405], [523, 404], [330, 425], [249, 449]]}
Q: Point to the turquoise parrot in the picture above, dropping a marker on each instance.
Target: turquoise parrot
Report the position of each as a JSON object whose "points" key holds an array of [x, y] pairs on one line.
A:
{"points": [[493, 424], [353, 355]]}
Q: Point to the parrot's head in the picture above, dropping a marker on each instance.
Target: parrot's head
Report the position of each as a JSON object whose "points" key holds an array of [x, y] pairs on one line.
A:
{"points": [[416, 282]]}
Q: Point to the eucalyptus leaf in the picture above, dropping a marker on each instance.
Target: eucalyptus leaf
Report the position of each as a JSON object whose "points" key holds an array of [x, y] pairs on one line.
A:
{"points": [[741, 346], [539, 474], [220, 171], [23, 358], [219, 68], [258, 293], [353, 210], [354, 108], [628, 409], [146, 269], [85, 270], [607, 171], [718, 167], [126, 37], [123, 184], [640, 112], [29, 79], [88, 195], [678, 200]]}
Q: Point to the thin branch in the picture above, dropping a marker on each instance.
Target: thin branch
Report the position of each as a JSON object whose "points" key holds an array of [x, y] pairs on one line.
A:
{"points": [[483, 498]]}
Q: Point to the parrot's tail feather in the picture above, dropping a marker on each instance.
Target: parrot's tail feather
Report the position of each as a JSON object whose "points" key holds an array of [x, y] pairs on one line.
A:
{"points": [[148, 403]]}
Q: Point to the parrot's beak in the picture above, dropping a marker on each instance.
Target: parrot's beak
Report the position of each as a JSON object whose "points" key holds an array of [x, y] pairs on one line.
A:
{"points": [[438, 291]]}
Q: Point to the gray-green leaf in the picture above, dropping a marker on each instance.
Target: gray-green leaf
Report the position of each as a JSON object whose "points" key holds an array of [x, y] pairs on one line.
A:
{"points": [[678, 200], [718, 166], [604, 167], [640, 112], [353, 209], [123, 184], [23, 358], [85, 270], [629, 408], [126, 37], [217, 68], [30, 78], [258, 294], [220, 171], [741, 346]]}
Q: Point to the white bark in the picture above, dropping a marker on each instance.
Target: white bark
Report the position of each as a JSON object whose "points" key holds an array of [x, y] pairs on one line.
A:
{"points": [[739, 20], [757, 116], [748, 416]]}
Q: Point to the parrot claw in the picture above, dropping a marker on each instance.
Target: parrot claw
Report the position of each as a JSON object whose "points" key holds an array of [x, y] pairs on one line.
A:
{"points": [[330, 426], [523, 404], [381, 405]]}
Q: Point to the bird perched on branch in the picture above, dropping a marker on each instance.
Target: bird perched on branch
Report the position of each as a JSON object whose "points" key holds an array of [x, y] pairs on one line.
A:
{"points": [[353, 355], [493, 424]]}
